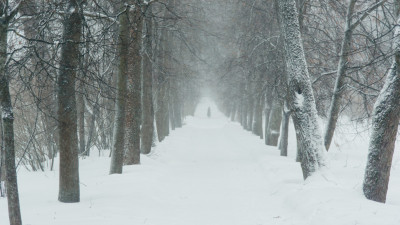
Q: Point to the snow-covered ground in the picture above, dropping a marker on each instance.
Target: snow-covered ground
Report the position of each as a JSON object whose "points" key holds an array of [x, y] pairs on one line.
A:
{"points": [[212, 172]]}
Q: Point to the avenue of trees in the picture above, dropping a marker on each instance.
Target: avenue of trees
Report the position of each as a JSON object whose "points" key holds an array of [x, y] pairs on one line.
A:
{"points": [[119, 75], [315, 59]]}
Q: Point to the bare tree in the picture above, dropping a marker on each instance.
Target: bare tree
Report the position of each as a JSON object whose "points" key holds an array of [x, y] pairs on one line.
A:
{"points": [[300, 95], [8, 117], [334, 110]]}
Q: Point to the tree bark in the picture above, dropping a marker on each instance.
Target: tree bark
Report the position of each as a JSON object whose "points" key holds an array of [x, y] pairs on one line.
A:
{"points": [[268, 108], [283, 143], [2, 163], [274, 124], [14, 212], [177, 105], [80, 102], [301, 98], [233, 112], [250, 113], [135, 87], [92, 127], [67, 115], [162, 118], [117, 155], [385, 125], [147, 98], [257, 125]]}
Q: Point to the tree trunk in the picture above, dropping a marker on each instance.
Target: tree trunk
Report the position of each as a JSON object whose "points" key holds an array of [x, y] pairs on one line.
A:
{"points": [[135, 88], [147, 98], [244, 110], [233, 112], [283, 143], [67, 116], [334, 109], [171, 109], [385, 124], [161, 113], [257, 125], [268, 108], [117, 155], [80, 103], [251, 114], [177, 105], [92, 125], [301, 98], [383, 137], [14, 212], [8, 135], [274, 124], [2, 163]]}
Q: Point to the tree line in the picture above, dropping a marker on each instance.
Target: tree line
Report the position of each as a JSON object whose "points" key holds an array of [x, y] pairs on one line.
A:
{"points": [[316, 59], [78, 75]]}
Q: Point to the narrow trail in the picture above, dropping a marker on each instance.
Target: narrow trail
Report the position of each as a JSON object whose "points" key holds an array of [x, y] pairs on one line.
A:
{"points": [[210, 172]]}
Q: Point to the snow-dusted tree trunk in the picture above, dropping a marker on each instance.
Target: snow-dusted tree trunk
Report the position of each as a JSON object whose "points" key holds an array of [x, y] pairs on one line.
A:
{"points": [[300, 95], [117, 155], [67, 115], [385, 124]]}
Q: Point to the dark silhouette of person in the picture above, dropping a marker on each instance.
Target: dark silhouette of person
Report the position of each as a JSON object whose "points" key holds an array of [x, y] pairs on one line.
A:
{"points": [[209, 112]]}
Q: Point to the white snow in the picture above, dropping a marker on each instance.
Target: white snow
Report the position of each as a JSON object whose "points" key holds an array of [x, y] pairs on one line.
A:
{"points": [[212, 172], [299, 100]]}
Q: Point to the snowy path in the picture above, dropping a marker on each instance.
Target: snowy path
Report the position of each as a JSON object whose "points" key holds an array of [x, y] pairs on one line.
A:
{"points": [[210, 172]]}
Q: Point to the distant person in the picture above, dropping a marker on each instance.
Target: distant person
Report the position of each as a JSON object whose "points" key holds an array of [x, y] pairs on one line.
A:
{"points": [[209, 112]]}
